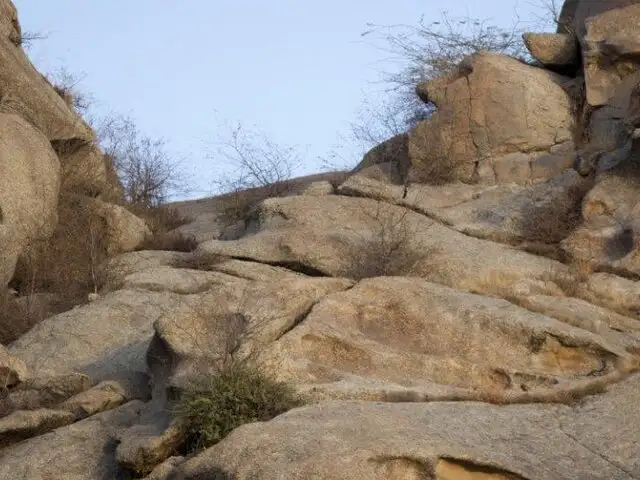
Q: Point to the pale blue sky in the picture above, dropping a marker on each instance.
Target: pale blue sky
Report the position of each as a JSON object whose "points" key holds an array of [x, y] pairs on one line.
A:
{"points": [[297, 70]]}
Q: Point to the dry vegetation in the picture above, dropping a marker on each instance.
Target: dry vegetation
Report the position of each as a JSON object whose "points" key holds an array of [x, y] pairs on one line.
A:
{"points": [[15, 318], [555, 220], [65, 85], [162, 221], [57, 274], [261, 169], [436, 168], [385, 249], [64, 266], [577, 92]]}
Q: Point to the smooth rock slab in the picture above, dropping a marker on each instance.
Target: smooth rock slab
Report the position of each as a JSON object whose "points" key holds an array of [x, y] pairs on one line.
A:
{"points": [[106, 339], [47, 392]]}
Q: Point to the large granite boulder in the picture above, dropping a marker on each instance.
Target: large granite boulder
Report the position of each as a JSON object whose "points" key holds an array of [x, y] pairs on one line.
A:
{"points": [[468, 137]]}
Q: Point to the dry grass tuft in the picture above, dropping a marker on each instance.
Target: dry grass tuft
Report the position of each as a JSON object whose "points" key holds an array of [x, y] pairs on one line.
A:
{"points": [[434, 168], [65, 265], [205, 262], [159, 218], [162, 222], [171, 241]]}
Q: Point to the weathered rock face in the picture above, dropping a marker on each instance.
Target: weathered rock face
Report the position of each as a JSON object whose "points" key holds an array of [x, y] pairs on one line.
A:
{"points": [[23, 424], [12, 370], [29, 187], [394, 151], [83, 167], [543, 213], [124, 231], [610, 49], [401, 338], [398, 296], [47, 392], [238, 316], [343, 236], [440, 440], [25, 92], [147, 444], [318, 189], [608, 238], [468, 134]]}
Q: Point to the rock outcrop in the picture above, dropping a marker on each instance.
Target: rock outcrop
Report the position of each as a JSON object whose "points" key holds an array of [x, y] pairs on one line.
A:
{"points": [[467, 138], [484, 328], [47, 149]]}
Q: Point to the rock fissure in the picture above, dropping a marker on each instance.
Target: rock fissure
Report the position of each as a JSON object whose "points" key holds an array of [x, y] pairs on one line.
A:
{"points": [[600, 455]]}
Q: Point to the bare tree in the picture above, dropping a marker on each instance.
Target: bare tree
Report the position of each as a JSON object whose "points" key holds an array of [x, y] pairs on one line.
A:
{"points": [[378, 122], [549, 16], [258, 168], [256, 161], [148, 173], [26, 39]]}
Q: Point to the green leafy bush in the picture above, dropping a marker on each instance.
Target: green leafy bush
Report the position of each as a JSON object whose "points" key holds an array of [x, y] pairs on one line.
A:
{"points": [[211, 407]]}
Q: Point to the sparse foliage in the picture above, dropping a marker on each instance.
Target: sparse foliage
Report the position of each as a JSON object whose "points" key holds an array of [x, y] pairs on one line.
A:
{"points": [[16, 318], [260, 169], [550, 14], [385, 249], [211, 407], [26, 39], [257, 161], [377, 123], [66, 264], [66, 84]]}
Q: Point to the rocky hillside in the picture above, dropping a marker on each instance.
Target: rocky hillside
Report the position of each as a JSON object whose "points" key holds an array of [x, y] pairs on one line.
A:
{"points": [[60, 198], [464, 305]]}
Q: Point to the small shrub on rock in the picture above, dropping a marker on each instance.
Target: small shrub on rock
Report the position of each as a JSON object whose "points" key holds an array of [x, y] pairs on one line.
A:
{"points": [[211, 407], [385, 250]]}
